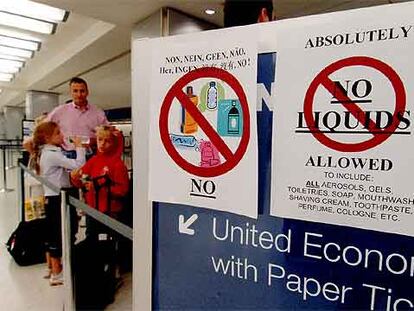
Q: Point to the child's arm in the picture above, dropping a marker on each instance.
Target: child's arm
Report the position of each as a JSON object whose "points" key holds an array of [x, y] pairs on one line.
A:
{"points": [[120, 180], [76, 174], [58, 159], [75, 177], [71, 164]]}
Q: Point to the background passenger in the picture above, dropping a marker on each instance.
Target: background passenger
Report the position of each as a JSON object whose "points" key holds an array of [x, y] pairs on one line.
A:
{"points": [[78, 117], [245, 12]]}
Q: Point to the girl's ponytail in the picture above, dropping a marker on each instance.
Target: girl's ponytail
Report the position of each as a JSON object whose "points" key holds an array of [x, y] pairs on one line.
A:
{"points": [[41, 135]]}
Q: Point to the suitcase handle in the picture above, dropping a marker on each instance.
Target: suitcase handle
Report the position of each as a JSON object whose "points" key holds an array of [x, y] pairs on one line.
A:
{"points": [[98, 186]]}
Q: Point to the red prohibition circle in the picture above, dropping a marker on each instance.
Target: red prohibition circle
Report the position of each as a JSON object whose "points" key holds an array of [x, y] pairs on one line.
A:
{"points": [[177, 91], [322, 79]]}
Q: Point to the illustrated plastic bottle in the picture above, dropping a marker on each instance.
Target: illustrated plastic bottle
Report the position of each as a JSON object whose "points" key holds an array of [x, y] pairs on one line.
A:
{"points": [[212, 96], [188, 124], [234, 119]]}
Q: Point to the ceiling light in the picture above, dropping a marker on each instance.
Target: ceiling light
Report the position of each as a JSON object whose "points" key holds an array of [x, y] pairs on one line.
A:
{"points": [[210, 11], [21, 22], [9, 69], [18, 43], [15, 52], [33, 10], [6, 77], [19, 34], [11, 63], [12, 57]]}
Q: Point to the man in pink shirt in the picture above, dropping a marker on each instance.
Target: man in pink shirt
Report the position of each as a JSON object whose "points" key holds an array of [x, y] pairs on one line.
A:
{"points": [[78, 117]]}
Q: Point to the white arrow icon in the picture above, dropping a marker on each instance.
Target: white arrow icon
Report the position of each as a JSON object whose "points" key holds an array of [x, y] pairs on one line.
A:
{"points": [[183, 226]]}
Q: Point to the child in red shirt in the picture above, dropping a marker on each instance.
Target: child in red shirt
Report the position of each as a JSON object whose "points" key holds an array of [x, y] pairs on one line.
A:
{"points": [[104, 171]]}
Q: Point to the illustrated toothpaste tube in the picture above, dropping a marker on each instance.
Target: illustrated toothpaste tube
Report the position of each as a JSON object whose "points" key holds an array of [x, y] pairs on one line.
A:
{"points": [[183, 140]]}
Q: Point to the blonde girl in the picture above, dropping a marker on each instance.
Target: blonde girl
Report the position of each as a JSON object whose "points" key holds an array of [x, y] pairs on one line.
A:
{"points": [[49, 162]]}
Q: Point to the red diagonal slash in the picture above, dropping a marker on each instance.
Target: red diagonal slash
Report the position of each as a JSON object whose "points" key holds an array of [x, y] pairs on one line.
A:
{"points": [[379, 135], [205, 125]]}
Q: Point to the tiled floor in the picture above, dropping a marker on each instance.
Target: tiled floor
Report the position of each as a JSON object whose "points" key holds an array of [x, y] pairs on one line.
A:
{"points": [[23, 288]]}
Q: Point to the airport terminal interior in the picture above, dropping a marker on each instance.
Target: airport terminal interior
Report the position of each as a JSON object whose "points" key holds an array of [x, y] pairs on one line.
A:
{"points": [[91, 39]]}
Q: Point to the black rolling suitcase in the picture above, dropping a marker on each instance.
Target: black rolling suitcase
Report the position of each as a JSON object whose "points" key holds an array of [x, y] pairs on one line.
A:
{"points": [[94, 275], [93, 266]]}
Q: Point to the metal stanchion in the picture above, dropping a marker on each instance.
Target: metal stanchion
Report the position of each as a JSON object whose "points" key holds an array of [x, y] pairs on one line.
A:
{"points": [[16, 151], [10, 157], [7, 157], [69, 304], [4, 189], [21, 194]]}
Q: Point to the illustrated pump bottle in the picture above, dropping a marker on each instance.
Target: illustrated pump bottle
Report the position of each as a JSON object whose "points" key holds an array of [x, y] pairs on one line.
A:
{"points": [[188, 124], [233, 119], [212, 96]]}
